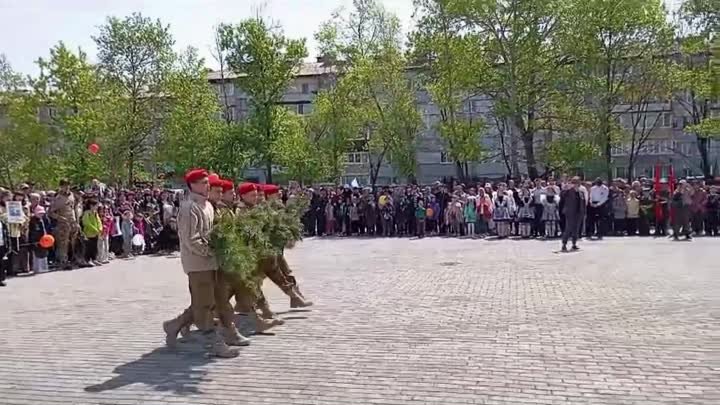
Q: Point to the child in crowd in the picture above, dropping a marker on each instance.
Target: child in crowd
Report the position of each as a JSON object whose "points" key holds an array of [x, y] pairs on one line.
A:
{"points": [[92, 229], [140, 228], [39, 227], [108, 228], [526, 213], [128, 230], [551, 214], [619, 207], [433, 213], [632, 204], [329, 219], [501, 214], [483, 210], [470, 215], [420, 216]]}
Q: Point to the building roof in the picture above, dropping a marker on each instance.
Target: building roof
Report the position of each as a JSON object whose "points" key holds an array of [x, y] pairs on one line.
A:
{"points": [[306, 69]]}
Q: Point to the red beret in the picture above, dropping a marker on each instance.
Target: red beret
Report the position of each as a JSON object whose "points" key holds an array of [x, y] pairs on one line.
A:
{"points": [[214, 180], [227, 185], [270, 189], [244, 188], [194, 175]]}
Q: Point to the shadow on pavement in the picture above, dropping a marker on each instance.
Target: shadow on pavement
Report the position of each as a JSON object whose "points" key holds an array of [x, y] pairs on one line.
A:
{"points": [[162, 369]]}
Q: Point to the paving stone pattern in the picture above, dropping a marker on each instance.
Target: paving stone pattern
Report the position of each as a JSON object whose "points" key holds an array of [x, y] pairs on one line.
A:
{"points": [[396, 321]]}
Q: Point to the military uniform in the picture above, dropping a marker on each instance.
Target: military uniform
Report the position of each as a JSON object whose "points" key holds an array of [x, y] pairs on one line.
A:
{"points": [[66, 229]]}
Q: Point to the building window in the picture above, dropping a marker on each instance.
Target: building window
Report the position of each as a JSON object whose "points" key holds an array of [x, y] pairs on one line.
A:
{"points": [[292, 108], [230, 113], [621, 172], [229, 89], [445, 158], [688, 172], [356, 158], [305, 88], [667, 120], [301, 109]]}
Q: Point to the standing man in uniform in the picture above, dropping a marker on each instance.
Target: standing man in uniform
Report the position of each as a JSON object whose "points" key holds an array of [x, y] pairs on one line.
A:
{"points": [[572, 206], [208, 288], [62, 211]]}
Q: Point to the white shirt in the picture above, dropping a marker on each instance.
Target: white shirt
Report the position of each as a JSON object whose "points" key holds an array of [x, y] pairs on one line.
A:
{"points": [[2, 235], [599, 195], [537, 195]]}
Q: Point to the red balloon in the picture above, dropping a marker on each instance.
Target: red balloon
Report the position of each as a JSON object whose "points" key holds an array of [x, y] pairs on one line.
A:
{"points": [[94, 148], [46, 241]]}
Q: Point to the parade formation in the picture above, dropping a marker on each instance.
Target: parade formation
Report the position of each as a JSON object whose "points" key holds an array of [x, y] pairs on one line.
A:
{"points": [[229, 243]]}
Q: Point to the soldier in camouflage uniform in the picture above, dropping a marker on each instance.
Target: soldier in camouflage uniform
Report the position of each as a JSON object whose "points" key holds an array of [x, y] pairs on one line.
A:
{"points": [[222, 309], [66, 229], [276, 268], [244, 296]]}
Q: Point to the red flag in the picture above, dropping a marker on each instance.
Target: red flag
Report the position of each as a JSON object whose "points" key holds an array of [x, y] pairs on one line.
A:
{"points": [[658, 207], [671, 184]]}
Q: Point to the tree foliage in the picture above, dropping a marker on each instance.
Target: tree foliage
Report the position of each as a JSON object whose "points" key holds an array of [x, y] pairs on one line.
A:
{"points": [[697, 76], [455, 66], [191, 131], [364, 44], [265, 62], [610, 41], [82, 111], [135, 56], [24, 140]]}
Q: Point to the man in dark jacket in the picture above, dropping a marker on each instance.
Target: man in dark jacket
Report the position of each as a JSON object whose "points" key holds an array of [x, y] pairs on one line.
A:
{"points": [[571, 203]]}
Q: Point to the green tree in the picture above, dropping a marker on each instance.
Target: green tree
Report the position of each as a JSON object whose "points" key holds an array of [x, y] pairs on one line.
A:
{"points": [[519, 38], [453, 61], [25, 142], [364, 45], [334, 124], [295, 150], [610, 40], [135, 56], [81, 107], [191, 130], [265, 62], [697, 78]]}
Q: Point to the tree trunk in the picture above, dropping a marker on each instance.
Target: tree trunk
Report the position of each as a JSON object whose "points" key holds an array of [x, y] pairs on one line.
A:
{"points": [[702, 145], [268, 172], [131, 169], [631, 168], [608, 157], [460, 171], [515, 166], [527, 139]]}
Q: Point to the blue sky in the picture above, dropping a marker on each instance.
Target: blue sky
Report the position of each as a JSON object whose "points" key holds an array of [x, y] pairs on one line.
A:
{"points": [[28, 28]]}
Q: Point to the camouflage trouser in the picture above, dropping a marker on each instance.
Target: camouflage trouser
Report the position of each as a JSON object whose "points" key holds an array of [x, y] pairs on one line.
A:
{"points": [[277, 270], [245, 295], [64, 233], [285, 269], [208, 297]]}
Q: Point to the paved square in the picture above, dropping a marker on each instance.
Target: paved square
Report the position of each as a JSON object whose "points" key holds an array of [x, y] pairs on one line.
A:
{"points": [[396, 321]]}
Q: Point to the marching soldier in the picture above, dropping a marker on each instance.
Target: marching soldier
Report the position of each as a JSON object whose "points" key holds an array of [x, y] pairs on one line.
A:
{"points": [[244, 296], [280, 272], [208, 287]]}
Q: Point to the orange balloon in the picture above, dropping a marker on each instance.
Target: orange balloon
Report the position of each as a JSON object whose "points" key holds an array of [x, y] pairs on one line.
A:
{"points": [[46, 241], [94, 148]]}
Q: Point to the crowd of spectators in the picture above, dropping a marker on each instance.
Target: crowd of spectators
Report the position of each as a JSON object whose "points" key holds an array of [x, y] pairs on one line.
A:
{"points": [[96, 223]]}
